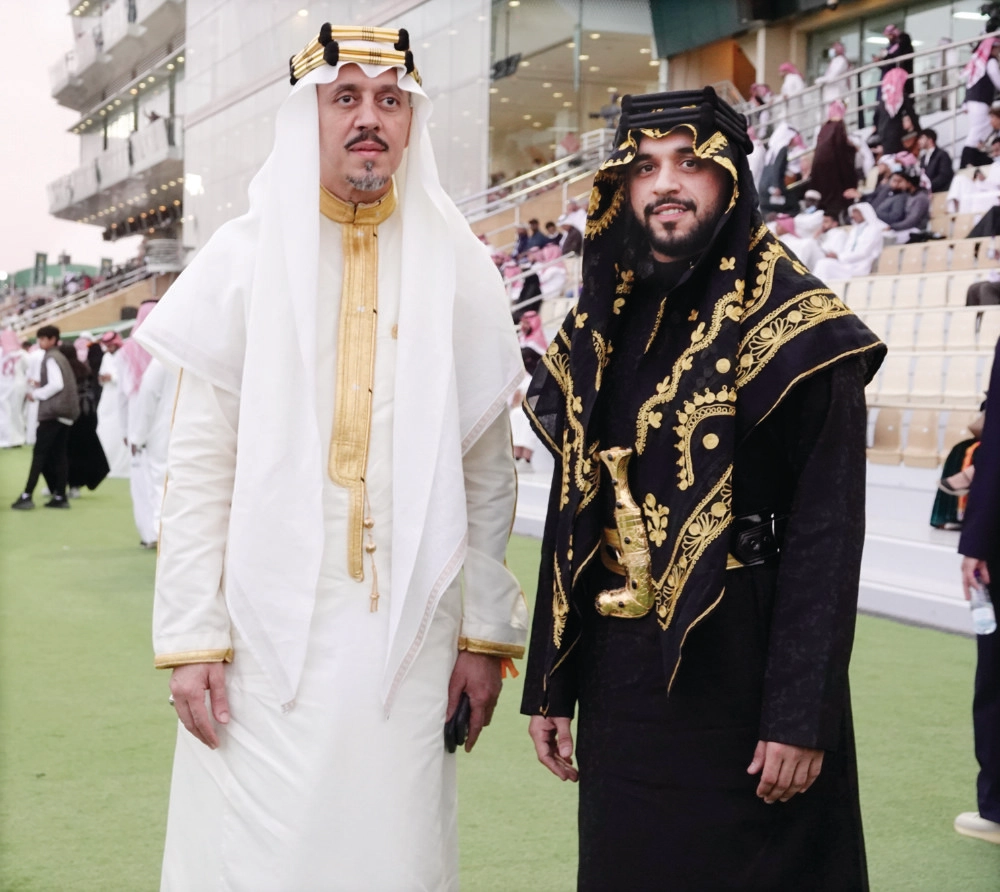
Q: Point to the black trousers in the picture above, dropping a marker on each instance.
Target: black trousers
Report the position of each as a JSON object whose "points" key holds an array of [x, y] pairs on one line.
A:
{"points": [[986, 718], [981, 294], [50, 458]]}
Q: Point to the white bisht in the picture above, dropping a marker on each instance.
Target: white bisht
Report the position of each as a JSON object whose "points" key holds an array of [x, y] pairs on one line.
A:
{"points": [[242, 316]]}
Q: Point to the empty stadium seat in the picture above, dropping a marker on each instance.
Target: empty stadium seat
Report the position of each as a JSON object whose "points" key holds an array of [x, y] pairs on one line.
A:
{"points": [[877, 322], [930, 333], [888, 261], [962, 330], [937, 256], [958, 286], [962, 225], [925, 388], [989, 328], [912, 258], [886, 448], [909, 289], [963, 255], [880, 293], [901, 330], [921, 440], [894, 380], [960, 385]]}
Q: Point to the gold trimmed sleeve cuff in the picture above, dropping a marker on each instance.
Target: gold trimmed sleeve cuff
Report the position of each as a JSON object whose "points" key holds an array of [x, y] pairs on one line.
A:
{"points": [[172, 661], [491, 648]]}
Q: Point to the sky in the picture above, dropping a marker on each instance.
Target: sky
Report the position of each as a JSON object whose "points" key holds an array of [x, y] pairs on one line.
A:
{"points": [[36, 148]]}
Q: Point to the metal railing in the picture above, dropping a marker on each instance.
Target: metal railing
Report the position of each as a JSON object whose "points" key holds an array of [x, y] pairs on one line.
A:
{"points": [[935, 97], [594, 146], [69, 302]]}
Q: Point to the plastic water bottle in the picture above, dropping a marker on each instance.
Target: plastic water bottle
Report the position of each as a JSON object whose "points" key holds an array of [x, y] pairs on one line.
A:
{"points": [[984, 620]]}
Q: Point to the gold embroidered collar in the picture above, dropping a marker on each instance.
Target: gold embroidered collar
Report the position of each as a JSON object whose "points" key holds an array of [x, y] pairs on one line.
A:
{"points": [[356, 337], [340, 211]]}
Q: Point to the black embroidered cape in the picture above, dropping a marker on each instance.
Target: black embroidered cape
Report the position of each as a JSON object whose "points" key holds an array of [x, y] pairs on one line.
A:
{"points": [[759, 323]]}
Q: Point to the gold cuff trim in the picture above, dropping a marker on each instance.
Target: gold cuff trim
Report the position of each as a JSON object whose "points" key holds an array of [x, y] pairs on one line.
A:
{"points": [[491, 648], [186, 658]]}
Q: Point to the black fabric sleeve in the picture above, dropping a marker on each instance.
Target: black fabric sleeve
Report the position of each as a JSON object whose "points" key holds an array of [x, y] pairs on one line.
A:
{"points": [[823, 423]]}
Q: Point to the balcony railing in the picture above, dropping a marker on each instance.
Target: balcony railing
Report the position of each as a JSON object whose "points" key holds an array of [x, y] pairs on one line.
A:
{"points": [[143, 150]]}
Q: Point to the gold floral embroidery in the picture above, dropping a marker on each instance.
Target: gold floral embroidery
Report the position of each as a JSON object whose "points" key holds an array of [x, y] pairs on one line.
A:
{"points": [[730, 307], [758, 235], [656, 523], [603, 350], [580, 320], [701, 406], [765, 279], [779, 327], [693, 316], [707, 522], [727, 263], [616, 308], [560, 607], [596, 227], [626, 281]]}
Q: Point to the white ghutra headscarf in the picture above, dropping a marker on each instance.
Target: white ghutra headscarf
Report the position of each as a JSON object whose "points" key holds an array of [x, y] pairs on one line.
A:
{"points": [[251, 294]]}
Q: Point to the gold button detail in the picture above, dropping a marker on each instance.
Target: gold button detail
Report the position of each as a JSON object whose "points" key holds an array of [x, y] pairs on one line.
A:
{"points": [[370, 547], [710, 441], [723, 365]]}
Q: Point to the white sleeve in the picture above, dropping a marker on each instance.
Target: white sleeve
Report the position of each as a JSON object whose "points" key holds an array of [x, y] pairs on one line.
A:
{"points": [[190, 619], [495, 616], [143, 417], [54, 383]]}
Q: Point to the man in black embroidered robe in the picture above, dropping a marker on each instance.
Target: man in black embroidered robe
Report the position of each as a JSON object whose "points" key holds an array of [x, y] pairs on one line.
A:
{"points": [[705, 406]]}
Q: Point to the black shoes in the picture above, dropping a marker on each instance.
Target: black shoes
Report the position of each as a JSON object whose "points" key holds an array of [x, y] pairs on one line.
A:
{"points": [[23, 503], [57, 502]]}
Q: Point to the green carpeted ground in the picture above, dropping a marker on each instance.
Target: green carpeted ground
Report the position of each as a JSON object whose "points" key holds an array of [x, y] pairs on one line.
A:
{"points": [[87, 733]]}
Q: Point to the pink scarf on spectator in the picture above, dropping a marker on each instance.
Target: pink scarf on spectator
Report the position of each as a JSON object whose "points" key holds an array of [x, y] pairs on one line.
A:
{"points": [[8, 341], [892, 90], [137, 357], [976, 67]]}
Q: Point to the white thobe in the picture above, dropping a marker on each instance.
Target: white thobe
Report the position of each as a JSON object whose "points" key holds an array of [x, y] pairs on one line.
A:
{"points": [[139, 479], [835, 85], [334, 794], [864, 244], [109, 427], [34, 372], [13, 386], [806, 249], [149, 431]]}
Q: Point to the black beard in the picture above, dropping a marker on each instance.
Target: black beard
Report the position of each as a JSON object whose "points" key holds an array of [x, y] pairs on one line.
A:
{"points": [[679, 247]]}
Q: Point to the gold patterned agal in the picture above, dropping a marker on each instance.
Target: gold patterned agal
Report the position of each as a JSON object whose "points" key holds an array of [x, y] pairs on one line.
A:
{"points": [[637, 596]]}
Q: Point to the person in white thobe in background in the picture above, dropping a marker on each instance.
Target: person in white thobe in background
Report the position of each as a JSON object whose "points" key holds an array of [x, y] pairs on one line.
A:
{"points": [[149, 430], [35, 357], [339, 495], [13, 387], [133, 359], [806, 248], [789, 106], [835, 84], [862, 247], [109, 428]]}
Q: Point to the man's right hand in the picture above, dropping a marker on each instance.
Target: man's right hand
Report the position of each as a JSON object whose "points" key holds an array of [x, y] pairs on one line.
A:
{"points": [[974, 571], [188, 685], [554, 745]]}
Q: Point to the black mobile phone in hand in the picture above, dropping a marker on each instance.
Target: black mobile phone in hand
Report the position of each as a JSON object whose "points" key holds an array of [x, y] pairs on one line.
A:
{"points": [[456, 729]]}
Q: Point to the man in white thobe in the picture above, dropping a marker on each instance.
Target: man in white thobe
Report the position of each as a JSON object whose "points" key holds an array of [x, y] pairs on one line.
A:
{"points": [[339, 494], [13, 387], [109, 429], [149, 430], [133, 360]]}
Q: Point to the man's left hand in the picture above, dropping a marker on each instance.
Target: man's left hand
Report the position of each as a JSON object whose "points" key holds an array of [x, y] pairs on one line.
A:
{"points": [[787, 769], [479, 676]]}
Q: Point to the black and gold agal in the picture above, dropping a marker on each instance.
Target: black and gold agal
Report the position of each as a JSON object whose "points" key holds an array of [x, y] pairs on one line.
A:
{"points": [[755, 323]]}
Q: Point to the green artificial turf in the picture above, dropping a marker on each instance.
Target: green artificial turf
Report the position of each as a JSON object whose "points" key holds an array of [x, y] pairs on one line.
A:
{"points": [[87, 734]]}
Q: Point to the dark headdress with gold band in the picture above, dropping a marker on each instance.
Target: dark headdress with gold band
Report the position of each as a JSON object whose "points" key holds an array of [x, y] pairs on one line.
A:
{"points": [[760, 323], [385, 47]]}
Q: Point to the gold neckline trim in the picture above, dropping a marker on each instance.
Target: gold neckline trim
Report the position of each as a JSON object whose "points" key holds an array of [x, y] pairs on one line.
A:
{"points": [[340, 211]]}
